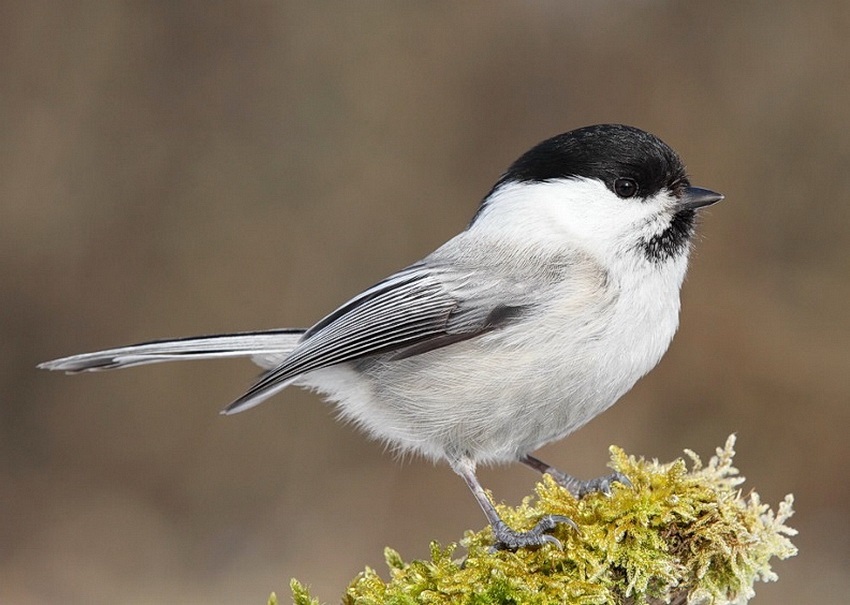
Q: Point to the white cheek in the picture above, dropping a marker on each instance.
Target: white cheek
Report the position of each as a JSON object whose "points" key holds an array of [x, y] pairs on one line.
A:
{"points": [[583, 212]]}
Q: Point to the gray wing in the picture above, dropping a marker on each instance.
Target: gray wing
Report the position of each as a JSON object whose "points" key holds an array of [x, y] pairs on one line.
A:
{"points": [[415, 310]]}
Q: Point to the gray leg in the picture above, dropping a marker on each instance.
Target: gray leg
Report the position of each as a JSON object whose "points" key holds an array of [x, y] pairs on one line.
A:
{"points": [[507, 538], [577, 487]]}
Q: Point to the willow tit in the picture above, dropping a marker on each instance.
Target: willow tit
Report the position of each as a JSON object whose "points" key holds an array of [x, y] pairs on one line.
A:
{"points": [[558, 296]]}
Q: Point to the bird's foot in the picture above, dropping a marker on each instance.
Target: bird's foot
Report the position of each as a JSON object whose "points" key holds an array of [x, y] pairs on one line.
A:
{"points": [[580, 488], [509, 539]]}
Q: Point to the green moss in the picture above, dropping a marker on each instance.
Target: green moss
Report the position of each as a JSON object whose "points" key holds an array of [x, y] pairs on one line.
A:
{"points": [[300, 595], [680, 534]]}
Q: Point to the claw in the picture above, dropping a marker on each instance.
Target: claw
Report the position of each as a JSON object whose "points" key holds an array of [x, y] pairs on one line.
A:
{"points": [[556, 519], [580, 489], [603, 484], [509, 539]]}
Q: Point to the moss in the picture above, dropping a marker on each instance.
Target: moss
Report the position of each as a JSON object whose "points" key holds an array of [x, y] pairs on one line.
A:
{"points": [[683, 534]]}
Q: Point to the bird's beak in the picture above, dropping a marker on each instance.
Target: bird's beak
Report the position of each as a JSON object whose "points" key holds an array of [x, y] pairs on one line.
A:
{"points": [[697, 197]]}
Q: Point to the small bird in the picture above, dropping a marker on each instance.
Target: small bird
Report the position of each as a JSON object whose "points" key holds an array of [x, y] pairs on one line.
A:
{"points": [[558, 296]]}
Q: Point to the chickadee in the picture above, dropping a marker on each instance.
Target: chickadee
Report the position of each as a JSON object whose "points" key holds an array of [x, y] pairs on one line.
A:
{"points": [[558, 296]]}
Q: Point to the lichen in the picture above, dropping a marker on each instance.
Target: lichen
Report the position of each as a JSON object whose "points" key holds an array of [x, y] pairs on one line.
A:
{"points": [[680, 534]]}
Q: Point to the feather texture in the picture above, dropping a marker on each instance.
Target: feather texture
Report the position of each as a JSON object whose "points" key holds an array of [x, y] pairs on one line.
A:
{"points": [[267, 348]]}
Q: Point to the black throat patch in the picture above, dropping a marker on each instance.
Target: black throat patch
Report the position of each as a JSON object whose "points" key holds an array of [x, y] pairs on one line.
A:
{"points": [[671, 242]]}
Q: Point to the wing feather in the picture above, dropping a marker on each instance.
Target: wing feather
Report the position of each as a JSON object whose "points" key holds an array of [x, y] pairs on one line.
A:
{"points": [[410, 313]]}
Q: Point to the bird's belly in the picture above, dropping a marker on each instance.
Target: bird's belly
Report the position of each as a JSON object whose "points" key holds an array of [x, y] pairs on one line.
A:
{"points": [[507, 406]]}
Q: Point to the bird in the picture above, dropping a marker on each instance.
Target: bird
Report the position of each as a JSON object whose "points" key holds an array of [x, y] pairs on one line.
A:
{"points": [[558, 296]]}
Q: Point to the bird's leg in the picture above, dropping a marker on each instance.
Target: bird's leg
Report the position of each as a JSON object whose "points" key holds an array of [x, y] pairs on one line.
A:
{"points": [[577, 487], [505, 537]]}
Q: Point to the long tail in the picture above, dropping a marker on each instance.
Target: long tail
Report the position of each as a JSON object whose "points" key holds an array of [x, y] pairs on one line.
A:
{"points": [[267, 349]]}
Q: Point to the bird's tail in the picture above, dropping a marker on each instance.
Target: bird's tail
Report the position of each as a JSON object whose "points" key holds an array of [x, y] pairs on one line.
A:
{"points": [[267, 349]]}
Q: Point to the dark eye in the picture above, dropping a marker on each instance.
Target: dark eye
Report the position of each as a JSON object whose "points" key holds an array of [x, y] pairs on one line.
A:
{"points": [[625, 187]]}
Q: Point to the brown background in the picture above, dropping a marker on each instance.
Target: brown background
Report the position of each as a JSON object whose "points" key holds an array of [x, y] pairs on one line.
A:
{"points": [[169, 169]]}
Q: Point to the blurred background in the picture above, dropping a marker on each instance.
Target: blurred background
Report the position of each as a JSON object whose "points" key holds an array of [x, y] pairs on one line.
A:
{"points": [[169, 169]]}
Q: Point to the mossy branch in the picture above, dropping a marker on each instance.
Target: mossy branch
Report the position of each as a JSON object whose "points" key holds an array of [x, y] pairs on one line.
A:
{"points": [[679, 535]]}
